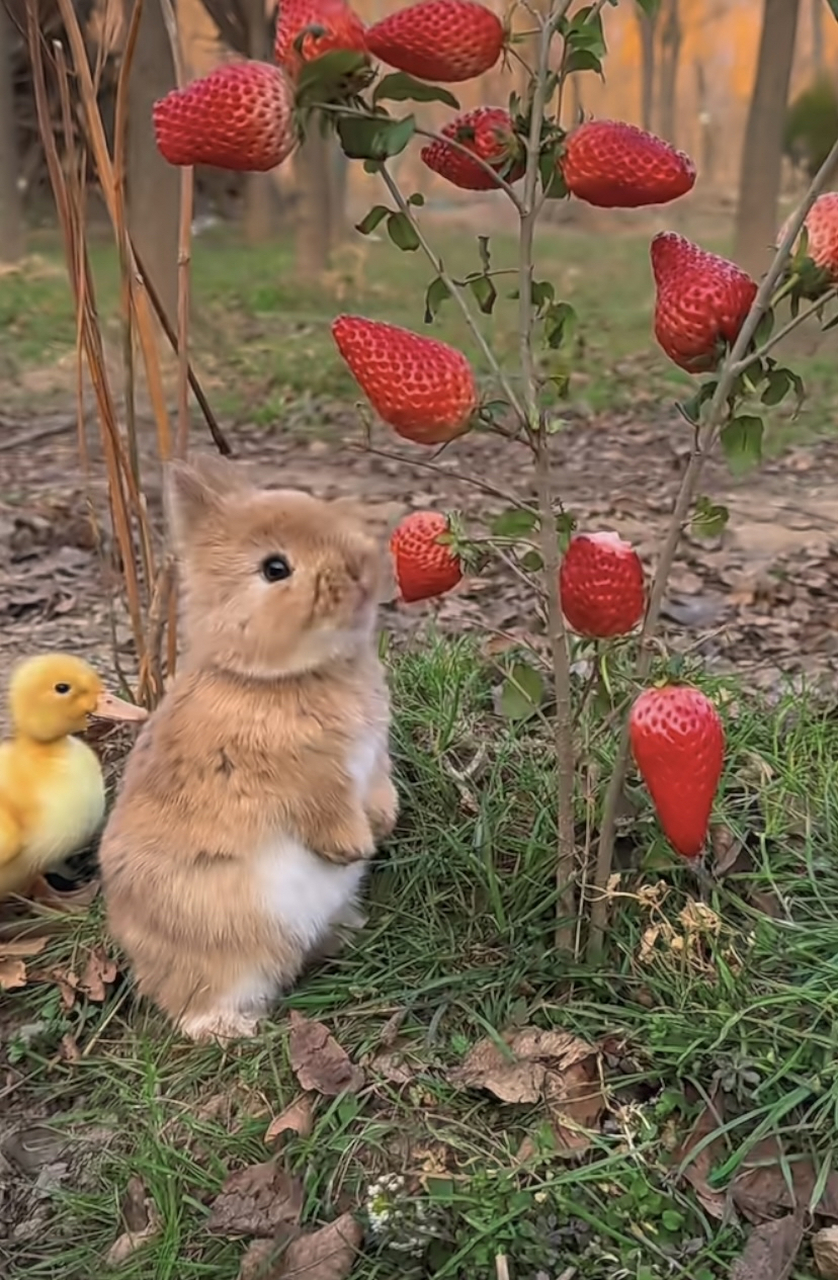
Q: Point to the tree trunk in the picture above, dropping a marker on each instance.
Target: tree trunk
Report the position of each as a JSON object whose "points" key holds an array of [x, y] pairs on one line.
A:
{"points": [[762, 154], [153, 186], [338, 190], [259, 194], [669, 58], [647, 25], [11, 205], [313, 209], [707, 127], [818, 39]]}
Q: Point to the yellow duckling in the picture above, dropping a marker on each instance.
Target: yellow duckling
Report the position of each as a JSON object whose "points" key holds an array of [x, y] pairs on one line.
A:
{"points": [[52, 793]]}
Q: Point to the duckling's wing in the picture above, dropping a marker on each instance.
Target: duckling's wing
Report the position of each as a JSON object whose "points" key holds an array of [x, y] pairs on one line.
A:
{"points": [[11, 837]]}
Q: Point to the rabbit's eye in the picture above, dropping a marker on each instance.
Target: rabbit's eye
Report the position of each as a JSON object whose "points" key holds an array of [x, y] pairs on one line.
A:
{"points": [[275, 569]]}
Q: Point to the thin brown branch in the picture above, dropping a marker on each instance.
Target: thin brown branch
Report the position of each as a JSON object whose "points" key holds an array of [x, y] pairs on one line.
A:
{"points": [[483, 485], [683, 502], [767, 347]]}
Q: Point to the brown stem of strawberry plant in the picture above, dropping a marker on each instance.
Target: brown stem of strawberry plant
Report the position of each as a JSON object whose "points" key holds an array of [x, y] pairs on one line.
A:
{"points": [[718, 413], [535, 425]]}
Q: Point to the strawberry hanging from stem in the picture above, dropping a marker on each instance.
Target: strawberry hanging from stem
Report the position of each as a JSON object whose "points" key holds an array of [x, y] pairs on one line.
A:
{"points": [[678, 744]]}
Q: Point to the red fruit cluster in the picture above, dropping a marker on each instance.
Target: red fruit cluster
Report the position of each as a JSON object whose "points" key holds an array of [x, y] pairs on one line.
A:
{"points": [[702, 301], [423, 566], [486, 132], [618, 166], [442, 40], [602, 585], [423, 388], [678, 744], [237, 117], [333, 26]]}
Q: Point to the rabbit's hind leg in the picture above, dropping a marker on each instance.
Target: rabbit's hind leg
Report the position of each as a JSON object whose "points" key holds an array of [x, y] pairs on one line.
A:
{"points": [[235, 1015]]}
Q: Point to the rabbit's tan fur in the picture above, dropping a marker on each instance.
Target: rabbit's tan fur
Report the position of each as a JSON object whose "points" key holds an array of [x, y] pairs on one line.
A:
{"points": [[256, 792]]}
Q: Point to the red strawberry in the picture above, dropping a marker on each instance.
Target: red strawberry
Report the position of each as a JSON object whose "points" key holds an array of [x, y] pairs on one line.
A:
{"points": [[341, 29], [618, 166], [678, 743], [424, 567], [822, 227], [237, 117], [443, 40], [423, 388], [702, 301], [488, 133], [602, 586]]}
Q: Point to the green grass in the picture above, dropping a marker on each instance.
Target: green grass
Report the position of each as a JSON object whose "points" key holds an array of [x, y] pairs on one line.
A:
{"points": [[262, 341], [460, 941]]}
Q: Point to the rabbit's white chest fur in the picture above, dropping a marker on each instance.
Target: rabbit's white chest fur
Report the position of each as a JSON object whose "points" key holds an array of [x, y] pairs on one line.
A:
{"points": [[303, 892]]}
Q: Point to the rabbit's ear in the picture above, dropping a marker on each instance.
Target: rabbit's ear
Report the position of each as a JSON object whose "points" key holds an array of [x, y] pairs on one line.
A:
{"points": [[192, 494]]}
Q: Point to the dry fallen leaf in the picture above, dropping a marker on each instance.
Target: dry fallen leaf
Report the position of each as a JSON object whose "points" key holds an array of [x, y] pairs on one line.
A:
{"points": [[391, 1066], [726, 848], [296, 1118], [825, 1250], [327, 1254], [23, 948], [12, 974], [99, 972], [67, 983], [318, 1061], [257, 1201], [698, 1170], [257, 1258], [141, 1220], [69, 1049], [771, 1250]]}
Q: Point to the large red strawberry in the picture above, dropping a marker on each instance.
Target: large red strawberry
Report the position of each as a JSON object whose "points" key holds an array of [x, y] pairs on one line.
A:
{"points": [[443, 40], [602, 586], [424, 567], [237, 117], [421, 387], [488, 133], [678, 743], [334, 26], [702, 301], [822, 227], [618, 166]]}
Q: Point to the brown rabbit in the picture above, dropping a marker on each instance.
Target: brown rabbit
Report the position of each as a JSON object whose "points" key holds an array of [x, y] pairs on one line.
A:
{"points": [[256, 792]]}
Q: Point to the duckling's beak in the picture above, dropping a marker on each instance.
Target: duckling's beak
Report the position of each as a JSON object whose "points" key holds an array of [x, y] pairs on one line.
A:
{"points": [[109, 707]]}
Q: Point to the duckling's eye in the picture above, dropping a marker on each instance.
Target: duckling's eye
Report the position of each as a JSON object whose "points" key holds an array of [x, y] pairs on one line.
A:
{"points": [[275, 568], [61, 687]]}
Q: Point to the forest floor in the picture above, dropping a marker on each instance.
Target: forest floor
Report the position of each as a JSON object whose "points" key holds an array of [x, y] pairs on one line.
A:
{"points": [[706, 1019]]}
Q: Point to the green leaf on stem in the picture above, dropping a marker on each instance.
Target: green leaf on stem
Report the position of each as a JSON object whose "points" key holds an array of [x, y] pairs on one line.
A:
{"points": [[401, 87], [402, 232], [585, 32], [777, 387], [374, 137], [691, 409], [742, 442], [709, 518], [416, 198], [319, 78], [493, 411], [436, 294], [542, 293], [550, 173], [371, 220], [582, 60], [649, 7], [764, 329], [559, 324], [531, 562], [514, 523], [485, 293], [565, 524], [522, 692], [833, 8]]}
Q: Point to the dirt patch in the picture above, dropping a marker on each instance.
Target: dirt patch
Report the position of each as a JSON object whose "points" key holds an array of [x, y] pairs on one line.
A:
{"points": [[763, 596]]}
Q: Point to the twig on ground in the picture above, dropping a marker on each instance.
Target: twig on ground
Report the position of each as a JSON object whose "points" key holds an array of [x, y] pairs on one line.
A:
{"points": [[689, 484]]}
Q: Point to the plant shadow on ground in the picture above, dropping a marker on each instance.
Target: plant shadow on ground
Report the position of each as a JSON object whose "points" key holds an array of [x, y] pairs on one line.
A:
{"points": [[261, 340], [732, 1003]]}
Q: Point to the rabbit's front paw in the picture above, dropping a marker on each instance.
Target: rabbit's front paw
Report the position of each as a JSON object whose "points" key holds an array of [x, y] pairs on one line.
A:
{"points": [[350, 841], [220, 1026], [383, 808]]}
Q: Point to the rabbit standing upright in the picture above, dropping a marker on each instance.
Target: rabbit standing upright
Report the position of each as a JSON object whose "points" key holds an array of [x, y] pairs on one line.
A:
{"points": [[254, 797]]}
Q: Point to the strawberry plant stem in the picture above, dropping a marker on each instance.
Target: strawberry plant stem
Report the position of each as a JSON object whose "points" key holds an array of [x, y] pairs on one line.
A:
{"points": [[705, 439], [455, 292], [745, 363], [535, 426]]}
